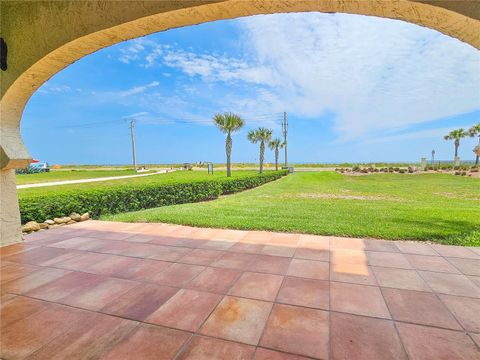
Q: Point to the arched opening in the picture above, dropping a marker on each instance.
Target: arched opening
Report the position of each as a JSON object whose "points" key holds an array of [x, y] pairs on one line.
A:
{"points": [[39, 50]]}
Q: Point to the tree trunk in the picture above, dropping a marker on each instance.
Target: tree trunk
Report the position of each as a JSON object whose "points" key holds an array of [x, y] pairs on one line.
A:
{"points": [[262, 153], [477, 158], [457, 144], [228, 150], [276, 159]]}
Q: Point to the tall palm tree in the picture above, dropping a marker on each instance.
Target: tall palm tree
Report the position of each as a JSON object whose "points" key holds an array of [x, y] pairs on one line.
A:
{"points": [[228, 123], [456, 135], [275, 144], [472, 132], [261, 135]]}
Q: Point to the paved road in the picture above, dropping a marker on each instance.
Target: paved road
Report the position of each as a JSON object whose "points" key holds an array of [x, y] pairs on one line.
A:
{"points": [[80, 181]]}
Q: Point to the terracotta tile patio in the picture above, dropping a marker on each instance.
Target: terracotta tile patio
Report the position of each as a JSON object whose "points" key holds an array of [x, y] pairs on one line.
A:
{"points": [[102, 290]]}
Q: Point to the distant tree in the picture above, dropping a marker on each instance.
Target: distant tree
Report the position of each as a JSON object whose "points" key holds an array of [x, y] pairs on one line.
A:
{"points": [[261, 135], [228, 123], [275, 144], [456, 135], [473, 132]]}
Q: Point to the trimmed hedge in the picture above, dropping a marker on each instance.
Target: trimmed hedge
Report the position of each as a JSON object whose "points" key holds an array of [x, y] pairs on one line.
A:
{"points": [[114, 200]]}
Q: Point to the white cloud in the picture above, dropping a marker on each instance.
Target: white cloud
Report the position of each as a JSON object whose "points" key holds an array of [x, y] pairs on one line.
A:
{"points": [[138, 89], [374, 74]]}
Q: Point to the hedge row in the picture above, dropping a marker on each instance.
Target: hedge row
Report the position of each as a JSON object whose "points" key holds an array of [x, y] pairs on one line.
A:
{"points": [[114, 200]]}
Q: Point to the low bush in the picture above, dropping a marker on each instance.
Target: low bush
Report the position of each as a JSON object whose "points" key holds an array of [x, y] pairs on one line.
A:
{"points": [[118, 199]]}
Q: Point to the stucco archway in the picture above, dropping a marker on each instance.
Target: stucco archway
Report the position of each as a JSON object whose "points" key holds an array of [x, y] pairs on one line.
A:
{"points": [[43, 37]]}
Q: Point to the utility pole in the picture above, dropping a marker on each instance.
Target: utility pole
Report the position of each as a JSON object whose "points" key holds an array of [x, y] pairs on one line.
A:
{"points": [[284, 130], [132, 127]]}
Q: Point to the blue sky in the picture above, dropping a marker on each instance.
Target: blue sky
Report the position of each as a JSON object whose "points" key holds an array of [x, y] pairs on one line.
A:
{"points": [[355, 89]]}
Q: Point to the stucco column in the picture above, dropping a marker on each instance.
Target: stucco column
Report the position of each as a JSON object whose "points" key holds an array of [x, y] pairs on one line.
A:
{"points": [[10, 231]]}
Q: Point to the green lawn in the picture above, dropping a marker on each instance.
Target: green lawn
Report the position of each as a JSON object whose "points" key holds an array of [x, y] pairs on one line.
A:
{"points": [[437, 207], [169, 178], [63, 175]]}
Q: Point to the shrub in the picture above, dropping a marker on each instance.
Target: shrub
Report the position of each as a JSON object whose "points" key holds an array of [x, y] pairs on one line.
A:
{"points": [[117, 199]]}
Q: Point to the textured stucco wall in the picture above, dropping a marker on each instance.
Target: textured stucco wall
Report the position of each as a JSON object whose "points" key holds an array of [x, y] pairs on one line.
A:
{"points": [[43, 37]]}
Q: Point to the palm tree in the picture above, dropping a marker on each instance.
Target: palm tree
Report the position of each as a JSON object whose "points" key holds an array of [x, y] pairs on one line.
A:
{"points": [[228, 123], [261, 135], [275, 144], [456, 135], [472, 132]]}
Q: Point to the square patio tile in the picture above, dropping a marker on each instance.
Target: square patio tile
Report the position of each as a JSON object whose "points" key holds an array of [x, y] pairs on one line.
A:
{"points": [[201, 257], [89, 338], [257, 286], [37, 256], [177, 274], [352, 273], [399, 279], [82, 260], [278, 250], [346, 243], [266, 354], [419, 308], [414, 247], [142, 270], [109, 265], [451, 284], [25, 336], [305, 292], [96, 297], [431, 263], [169, 253], [270, 264], [466, 266], [348, 256], [189, 243], [15, 249], [18, 308], [380, 245], [204, 348], [358, 299], [455, 251], [14, 271], [466, 310], [249, 248], [217, 245], [186, 310], [61, 288], [309, 269], [238, 319], [258, 237], [312, 254], [148, 342], [140, 301], [314, 242], [385, 259], [232, 260], [441, 344], [362, 338], [32, 280], [297, 330], [216, 280], [285, 239]]}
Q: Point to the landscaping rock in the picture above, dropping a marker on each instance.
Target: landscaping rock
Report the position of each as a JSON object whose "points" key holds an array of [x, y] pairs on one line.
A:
{"points": [[85, 216], [59, 220], [70, 222], [43, 225], [49, 222], [75, 217], [31, 226], [66, 219]]}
